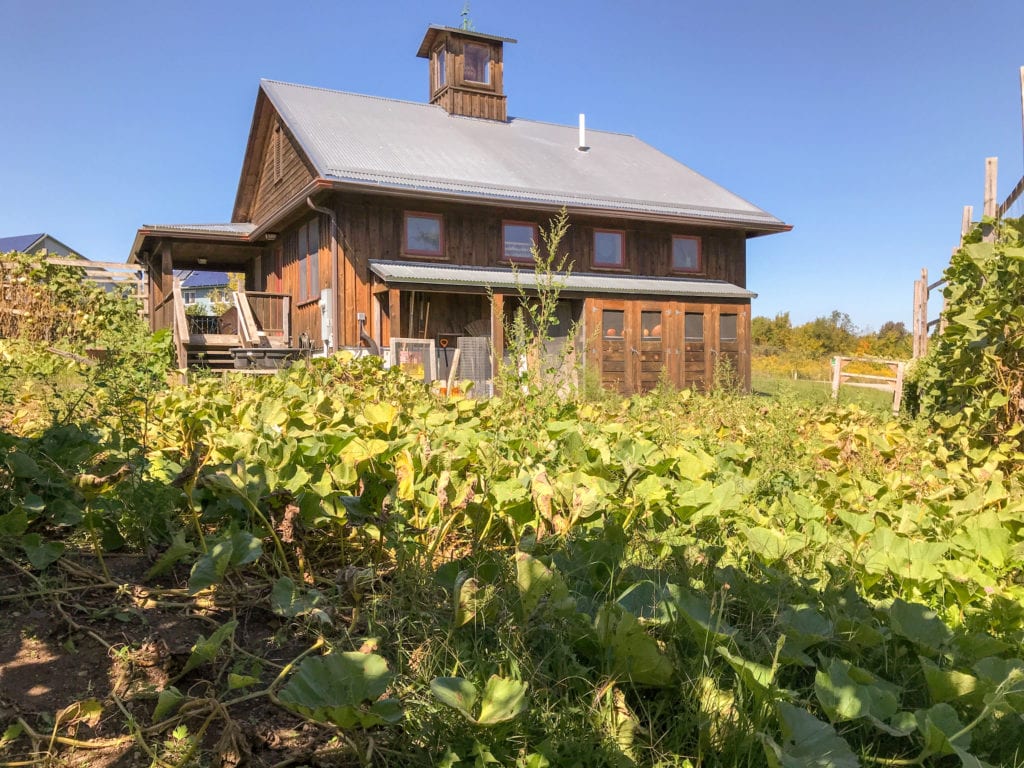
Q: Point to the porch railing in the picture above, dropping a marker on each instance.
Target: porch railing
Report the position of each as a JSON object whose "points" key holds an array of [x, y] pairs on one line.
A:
{"points": [[170, 313], [271, 312]]}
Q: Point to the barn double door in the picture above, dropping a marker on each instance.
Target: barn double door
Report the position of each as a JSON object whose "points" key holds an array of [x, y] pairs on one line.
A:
{"points": [[636, 344]]}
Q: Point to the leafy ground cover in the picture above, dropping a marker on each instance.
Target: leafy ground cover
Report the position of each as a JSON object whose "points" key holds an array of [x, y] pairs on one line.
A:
{"points": [[819, 393], [331, 566]]}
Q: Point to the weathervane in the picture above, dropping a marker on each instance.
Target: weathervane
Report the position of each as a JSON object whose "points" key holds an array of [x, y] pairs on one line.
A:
{"points": [[467, 24]]}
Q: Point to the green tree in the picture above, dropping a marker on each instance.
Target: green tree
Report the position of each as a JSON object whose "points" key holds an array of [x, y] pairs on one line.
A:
{"points": [[829, 335], [775, 334]]}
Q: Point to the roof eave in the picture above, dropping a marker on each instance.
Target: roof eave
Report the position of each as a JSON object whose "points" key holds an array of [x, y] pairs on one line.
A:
{"points": [[435, 29], [169, 233], [752, 226]]}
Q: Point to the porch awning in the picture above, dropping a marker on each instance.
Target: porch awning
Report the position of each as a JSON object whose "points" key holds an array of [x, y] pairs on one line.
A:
{"points": [[439, 277]]}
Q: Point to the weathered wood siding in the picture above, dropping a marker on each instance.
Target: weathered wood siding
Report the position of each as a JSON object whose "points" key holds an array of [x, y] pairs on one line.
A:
{"points": [[371, 228], [283, 173], [460, 96], [632, 344]]}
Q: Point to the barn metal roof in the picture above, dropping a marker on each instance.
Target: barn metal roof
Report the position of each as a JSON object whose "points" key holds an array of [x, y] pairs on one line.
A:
{"points": [[440, 276], [367, 141]]}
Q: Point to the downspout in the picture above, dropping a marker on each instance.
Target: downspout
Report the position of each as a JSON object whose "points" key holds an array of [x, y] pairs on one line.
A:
{"points": [[337, 332]]}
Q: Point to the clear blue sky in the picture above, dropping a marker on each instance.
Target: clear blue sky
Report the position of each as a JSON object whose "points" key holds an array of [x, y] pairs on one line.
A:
{"points": [[864, 124]]}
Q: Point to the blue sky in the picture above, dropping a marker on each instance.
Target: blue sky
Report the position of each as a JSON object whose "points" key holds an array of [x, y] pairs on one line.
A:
{"points": [[863, 124]]}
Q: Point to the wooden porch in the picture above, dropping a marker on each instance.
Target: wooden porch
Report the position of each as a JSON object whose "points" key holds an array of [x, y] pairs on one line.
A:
{"points": [[256, 320]]}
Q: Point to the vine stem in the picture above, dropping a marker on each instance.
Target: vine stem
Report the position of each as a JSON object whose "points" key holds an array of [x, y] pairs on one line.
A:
{"points": [[137, 734], [67, 741]]}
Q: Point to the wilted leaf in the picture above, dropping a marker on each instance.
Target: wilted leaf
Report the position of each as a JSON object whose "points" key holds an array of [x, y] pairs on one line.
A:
{"points": [[633, 654]]}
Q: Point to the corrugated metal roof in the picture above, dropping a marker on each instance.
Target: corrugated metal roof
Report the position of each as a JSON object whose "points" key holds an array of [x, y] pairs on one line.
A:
{"points": [[20, 242], [498, 278], [408, 146], [240, 229]]}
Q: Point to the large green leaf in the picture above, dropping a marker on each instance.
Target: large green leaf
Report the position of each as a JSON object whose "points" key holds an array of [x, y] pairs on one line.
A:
{"points": [[695, 611], [939, 725], [205, 649], [41, 553], [288, 599], [537, 581], [344, 689], [457, 693], [919, 624], [847, 692], [806, 742], [503, 699]]}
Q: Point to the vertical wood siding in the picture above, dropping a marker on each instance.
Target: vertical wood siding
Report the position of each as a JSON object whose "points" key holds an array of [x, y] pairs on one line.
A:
{"points": [[283, 173]]}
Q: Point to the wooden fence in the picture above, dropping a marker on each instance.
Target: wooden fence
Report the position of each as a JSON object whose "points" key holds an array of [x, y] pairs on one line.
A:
{"points": [[892, 382], [922, 288]]}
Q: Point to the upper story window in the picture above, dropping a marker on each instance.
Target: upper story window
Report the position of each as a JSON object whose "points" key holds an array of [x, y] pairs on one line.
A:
{"points": [[518, 241], [686, 254], [609, 248], [423, 234], [440, 68], [476, 67]]}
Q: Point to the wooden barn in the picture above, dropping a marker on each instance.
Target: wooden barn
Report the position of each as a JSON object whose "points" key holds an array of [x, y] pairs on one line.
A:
{"points": [[361, 219]]}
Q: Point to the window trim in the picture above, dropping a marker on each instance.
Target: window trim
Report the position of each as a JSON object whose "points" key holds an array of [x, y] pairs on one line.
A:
{"points": [[489, 82], [407, 251], [440, 67], [621, 265], [700, 256], [536, 240]]}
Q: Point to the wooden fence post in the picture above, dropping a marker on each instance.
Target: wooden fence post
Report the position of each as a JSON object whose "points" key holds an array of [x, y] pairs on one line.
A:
{"points": [[837, 367], [897, 393]]}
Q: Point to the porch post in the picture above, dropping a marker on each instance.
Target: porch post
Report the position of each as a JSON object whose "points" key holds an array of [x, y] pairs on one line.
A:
{"points": [[497, 332], [394, 314]]}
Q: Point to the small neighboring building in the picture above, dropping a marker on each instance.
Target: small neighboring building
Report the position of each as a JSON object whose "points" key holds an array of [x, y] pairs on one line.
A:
{"points": [[35, 243], [197, 287], [374, 221]]}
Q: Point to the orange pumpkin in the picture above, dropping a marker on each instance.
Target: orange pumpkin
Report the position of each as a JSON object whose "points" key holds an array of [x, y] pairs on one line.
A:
{"points": [[611, 332], [656, 330]]}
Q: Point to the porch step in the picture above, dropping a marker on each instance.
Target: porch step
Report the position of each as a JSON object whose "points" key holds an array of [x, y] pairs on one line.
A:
{"points": [[212, 356]]}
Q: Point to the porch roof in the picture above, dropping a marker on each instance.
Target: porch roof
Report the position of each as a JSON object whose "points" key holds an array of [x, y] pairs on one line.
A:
{"points": [[215, 247], [441, 276]]}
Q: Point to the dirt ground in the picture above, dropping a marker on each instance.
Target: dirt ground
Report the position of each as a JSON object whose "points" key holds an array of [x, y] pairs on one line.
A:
{"points": [[73, 635]]}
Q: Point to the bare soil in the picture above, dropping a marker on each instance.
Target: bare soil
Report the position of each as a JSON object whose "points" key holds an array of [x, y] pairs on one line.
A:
{"points": [[71, 634]]}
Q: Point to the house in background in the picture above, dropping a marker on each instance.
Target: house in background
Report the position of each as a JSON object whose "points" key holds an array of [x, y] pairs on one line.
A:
{"points": [[373, 219], [33, 244], [198, 286]]}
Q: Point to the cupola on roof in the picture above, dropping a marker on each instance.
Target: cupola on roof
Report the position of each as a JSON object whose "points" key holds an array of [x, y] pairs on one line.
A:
{"points": [[466, 71]]}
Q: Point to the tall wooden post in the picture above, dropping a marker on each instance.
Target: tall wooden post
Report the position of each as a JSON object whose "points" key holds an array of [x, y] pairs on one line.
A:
{"points": [[965, 222], [991, 174], [497, 332]]}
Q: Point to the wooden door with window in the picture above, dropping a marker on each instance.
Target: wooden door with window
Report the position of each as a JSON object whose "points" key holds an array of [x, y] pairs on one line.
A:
{"points": [[628, 343], [696, 352], [607, 330]]}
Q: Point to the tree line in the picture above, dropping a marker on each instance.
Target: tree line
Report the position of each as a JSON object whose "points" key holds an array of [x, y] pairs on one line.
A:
{"points": [[832, 334]]}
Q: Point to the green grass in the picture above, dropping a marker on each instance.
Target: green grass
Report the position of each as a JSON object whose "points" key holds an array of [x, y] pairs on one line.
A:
{"points": [[820, 393]]}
